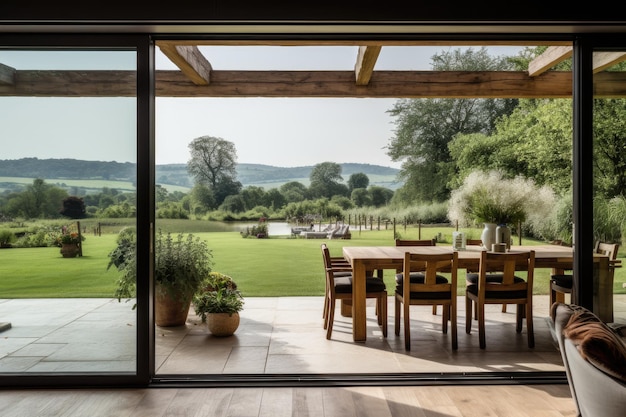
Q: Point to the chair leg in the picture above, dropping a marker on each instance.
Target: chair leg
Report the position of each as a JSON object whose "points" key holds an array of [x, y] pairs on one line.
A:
{"points": [[327, 307], [455, 343], [468, 315], [383, 312], [331, 318], [407, 327], [434, 310], [397, 316], [481, 325], [504, 308], [529, 325], [445, 317], [519, 317]]}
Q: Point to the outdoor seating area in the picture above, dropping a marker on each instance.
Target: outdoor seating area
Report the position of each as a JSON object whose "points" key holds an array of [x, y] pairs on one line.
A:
{"points": [[332, 231]]}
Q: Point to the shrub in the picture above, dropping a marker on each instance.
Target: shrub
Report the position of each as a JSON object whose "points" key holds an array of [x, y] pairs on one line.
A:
{"points": [[6, 238], [490, 197]]}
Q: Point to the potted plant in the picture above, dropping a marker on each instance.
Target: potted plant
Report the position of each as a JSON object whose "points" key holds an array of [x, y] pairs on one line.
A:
{"points": [[69, 244], [494, 200], [181, 264], [218, 304]]}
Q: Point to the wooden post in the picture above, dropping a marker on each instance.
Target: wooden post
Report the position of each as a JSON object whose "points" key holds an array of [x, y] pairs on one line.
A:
{"points": [[419, 228], [80, 239]]}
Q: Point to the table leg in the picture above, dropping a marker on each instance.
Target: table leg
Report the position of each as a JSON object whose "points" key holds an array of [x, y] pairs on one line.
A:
{"points": [[359, 325]]}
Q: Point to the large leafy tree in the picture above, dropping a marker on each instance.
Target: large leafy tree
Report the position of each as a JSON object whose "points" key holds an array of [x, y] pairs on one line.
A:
{"points": [[536, 142], [424, 127], [326, 180], [213, 163], [358, 180]]}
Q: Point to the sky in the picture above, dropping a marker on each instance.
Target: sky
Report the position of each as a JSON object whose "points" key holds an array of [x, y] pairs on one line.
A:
{"points": [[285, 132]]}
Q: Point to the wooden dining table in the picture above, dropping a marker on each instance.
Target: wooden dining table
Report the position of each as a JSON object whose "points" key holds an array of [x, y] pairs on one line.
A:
{"points": [[372, 258]]}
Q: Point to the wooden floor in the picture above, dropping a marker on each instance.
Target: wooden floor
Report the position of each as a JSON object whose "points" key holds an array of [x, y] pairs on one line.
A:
{"points": [[432, 401]]}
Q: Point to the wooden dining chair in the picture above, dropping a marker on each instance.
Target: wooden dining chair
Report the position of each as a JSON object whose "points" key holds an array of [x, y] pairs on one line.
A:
{"points": [[412, 242], [502, 287], [562, 283], [339, 287], [341, 267], [431, 288]]}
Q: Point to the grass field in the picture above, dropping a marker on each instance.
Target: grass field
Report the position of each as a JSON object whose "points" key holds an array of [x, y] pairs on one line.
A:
{"points": [[279, 266]]}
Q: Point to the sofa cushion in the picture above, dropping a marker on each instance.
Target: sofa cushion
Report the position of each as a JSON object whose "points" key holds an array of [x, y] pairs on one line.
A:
{"points": [[597, 343]]}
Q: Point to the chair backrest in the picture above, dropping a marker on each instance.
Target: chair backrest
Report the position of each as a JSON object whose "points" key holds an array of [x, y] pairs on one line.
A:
{"points": [[422, 242], [474, 242], [608, 249], [507, 264], [431, 265]]}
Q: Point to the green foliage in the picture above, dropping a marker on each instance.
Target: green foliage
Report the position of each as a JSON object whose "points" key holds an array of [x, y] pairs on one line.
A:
{"points": [[7, 237], [180, 264], [259, 231], [424, 127], [217, 294], [326, 180], [223, 300]]}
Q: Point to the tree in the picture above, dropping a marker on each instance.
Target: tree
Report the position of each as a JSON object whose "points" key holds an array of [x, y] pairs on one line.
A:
{"points": [[38, 200], [294, 191], [361, 197], [73, 207], [426, 126], [213, 163], [380, 196], [325, 180], [358, 180]]}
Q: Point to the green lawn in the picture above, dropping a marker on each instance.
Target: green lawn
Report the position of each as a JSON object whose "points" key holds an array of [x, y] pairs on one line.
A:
{"points": [[278, 266]]}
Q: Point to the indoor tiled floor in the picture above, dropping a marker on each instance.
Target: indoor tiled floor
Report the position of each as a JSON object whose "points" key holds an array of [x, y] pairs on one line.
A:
{"points": [[276, 336]]}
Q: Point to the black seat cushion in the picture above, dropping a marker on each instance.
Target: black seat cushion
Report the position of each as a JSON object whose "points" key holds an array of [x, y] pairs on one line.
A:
{"points": [[473, 289], [418, 278], [564, 281], [343, 285], [472, 278]]}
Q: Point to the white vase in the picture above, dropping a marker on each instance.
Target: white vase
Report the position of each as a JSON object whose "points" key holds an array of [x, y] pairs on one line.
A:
{"points": [[503, 235], [488, 235]]}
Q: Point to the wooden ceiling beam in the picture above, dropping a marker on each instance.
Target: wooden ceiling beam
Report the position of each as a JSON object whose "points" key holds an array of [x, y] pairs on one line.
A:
{"points": [[554, 55], [338, 84], [365, 62], [190, 61], [604, 60], [7, 75]]}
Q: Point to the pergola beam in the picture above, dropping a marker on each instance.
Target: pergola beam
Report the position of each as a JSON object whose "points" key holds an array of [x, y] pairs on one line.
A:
{"points": [[7, 75], [556, 54], [190, 61], [365, 62], [383, 84]]}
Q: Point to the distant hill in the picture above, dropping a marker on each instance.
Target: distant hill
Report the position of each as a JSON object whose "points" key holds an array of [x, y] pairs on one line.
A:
{"points": [[176, 176]]}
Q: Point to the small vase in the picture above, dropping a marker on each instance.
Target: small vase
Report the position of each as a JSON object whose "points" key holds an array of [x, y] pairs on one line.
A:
{"points": [[69, 250], [503, 235], [488, 235]]}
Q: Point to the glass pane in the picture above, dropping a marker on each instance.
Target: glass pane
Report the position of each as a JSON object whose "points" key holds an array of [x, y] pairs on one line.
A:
{"points": [[67, 177], [609, 134]]}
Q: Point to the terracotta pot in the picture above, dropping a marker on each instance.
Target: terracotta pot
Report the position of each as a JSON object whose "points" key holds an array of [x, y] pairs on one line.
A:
{"points": [[222, 324], [69, 250], [168, 311]]}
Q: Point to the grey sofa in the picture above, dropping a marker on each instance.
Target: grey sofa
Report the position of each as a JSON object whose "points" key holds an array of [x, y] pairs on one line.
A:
{"points": [[594, 356]]}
